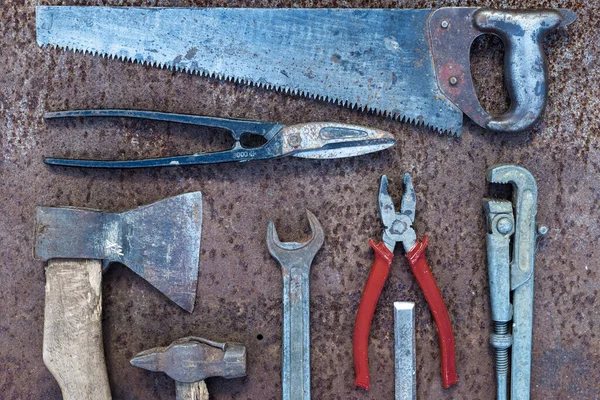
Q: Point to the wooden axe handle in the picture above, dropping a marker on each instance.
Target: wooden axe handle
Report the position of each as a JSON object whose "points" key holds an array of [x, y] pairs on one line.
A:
{"points": [[191, 391], [73, 349]]}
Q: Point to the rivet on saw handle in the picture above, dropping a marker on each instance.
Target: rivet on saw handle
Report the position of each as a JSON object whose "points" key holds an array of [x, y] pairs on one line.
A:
{"points": [[452, 32]]}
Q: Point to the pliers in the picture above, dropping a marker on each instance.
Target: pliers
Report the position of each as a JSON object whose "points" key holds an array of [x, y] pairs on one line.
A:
{"points": [[398, 228]]}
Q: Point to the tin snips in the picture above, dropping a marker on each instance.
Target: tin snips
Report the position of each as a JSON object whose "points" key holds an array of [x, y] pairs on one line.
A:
{"points": [[319, 140], [511, 243]]}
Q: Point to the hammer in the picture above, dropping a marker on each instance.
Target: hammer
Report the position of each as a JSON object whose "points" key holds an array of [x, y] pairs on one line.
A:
{"points": [[160, 242], [190, 360]]}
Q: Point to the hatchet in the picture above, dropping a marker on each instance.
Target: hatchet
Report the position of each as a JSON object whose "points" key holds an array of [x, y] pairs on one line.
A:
{"points": [[159, 242]]}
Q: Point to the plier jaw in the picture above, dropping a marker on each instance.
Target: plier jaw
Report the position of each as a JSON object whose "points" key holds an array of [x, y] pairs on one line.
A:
{"points": [[398, 226]]}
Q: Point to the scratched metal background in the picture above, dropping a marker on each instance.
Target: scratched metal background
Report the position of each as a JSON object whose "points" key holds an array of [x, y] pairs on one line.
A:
{"points": [[239, 294]]}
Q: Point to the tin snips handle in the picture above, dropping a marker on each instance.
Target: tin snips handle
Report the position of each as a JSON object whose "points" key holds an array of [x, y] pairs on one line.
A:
{"points": [[452, 31]]}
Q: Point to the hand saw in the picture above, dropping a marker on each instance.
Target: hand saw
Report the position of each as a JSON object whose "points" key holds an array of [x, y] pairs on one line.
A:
{"points": [[412, 65]]}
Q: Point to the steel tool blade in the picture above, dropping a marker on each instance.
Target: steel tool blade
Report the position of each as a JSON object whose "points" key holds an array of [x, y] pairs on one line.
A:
{"points": [[160, 242], [405, 356], [375, 60]]}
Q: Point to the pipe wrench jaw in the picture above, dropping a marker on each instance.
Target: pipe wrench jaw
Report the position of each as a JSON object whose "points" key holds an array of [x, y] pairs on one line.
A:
{"points": [[526, 232], [499, 217]]}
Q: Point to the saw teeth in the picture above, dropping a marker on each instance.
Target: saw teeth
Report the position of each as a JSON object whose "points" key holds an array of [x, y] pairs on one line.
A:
{"points": [[262, 85]]}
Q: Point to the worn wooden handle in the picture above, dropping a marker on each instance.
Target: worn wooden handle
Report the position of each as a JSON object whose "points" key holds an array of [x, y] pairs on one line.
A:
{"points": [[192, 391], [73, 349]]}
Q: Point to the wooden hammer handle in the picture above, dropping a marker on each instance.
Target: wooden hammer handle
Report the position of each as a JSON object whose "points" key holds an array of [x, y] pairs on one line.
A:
{"points": [[73, 349], [191, 391]]}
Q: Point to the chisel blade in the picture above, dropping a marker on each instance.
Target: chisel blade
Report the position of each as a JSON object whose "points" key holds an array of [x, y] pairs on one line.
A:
{"points": [[405, 351]]}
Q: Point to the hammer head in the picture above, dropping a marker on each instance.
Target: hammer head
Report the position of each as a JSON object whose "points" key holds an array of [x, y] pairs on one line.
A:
{"points": [[160, 242], [193, 359]]}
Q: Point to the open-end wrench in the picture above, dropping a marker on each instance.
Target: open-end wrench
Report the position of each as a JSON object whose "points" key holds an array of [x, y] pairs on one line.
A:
{"points": [[295, 260]]}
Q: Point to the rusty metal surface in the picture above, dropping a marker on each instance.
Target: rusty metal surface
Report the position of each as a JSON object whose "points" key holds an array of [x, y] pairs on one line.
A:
{"points": [[240, 294]]}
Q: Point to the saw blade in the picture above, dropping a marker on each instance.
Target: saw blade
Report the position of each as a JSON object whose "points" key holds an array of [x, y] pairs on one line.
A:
{"points": [[376, 60]]}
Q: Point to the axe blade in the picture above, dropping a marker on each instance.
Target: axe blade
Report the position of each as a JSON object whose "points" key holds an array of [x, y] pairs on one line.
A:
{"points": [[160, 242]]}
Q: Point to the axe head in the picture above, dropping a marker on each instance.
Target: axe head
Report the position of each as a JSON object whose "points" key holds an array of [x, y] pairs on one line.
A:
{"points": [[160, 241]]}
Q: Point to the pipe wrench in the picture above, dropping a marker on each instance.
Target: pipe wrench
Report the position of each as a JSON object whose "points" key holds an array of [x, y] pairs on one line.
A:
{"points": [[511, 240]]}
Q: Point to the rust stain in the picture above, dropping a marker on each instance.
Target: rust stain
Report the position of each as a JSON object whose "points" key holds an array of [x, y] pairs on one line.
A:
{"points": [[239, 294]]}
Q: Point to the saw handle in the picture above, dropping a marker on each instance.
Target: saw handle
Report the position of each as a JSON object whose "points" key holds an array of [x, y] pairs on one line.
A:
{"points": [[425, 279], [72, 348], [366, 309], [452, 31], [525, 66]]}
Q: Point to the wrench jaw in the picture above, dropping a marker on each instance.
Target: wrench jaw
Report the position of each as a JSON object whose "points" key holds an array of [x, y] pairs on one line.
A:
{"points": [[294, 253], [500, 228], [514, 174]]}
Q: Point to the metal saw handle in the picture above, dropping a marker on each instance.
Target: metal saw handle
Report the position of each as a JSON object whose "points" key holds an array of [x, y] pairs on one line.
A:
{"points": [[72, 349], [525, 68], [452, 31]]}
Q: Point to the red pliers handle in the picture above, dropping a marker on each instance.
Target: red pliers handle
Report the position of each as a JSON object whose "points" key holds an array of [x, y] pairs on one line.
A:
{"points": [[366, 309], [368, 302]]}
